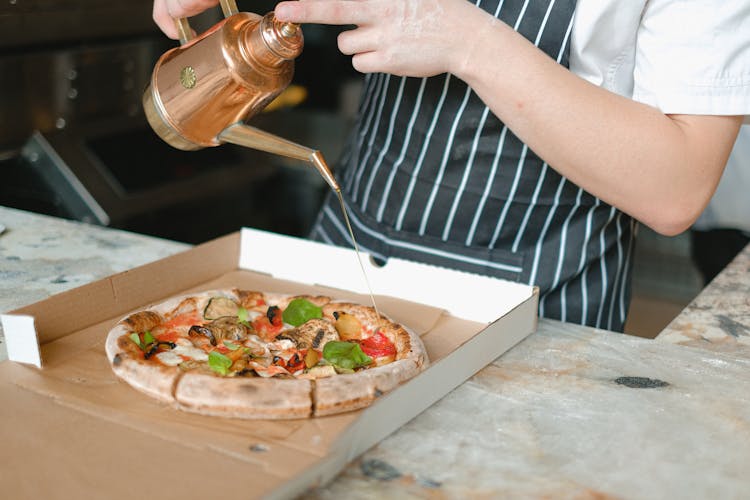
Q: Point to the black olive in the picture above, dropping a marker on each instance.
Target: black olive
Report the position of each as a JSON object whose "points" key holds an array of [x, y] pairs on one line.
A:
{"points": [[272, 312], [336, 315], [168, 344], [275, 359]]}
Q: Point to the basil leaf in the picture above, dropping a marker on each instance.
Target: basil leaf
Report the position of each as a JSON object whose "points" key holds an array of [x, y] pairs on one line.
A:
{"points": [[345, 355], [299, 311], [219, 363], [231, 346], [243, 315], [148, 338], [136, 339]]}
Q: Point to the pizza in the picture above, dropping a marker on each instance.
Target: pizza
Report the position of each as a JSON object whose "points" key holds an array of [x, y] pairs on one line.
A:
{"points": [[250, 354]]}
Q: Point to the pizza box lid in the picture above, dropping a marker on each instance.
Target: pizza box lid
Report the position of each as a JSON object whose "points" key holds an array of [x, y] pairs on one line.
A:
{"points": [[465, 321]]}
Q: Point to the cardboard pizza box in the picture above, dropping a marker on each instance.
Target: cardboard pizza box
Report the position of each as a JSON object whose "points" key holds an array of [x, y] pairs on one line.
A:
{"points": [[71, 429]]}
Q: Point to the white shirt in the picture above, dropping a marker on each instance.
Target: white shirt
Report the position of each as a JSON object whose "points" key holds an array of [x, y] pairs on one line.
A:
{"points": [[682, 57]]}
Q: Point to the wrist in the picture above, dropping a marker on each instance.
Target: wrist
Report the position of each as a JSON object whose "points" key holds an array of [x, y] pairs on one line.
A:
{"points": [[479, 51]]}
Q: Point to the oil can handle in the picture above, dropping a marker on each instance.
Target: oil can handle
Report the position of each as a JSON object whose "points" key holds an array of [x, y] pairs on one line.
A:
{"points": [[185, 32]]}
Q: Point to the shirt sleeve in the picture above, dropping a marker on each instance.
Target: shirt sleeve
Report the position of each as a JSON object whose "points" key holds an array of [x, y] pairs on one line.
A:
{"points": [[693, 57]]}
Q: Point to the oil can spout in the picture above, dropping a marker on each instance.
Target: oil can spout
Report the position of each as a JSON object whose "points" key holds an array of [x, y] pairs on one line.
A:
{"points": [[251, 137], [317, 160]]}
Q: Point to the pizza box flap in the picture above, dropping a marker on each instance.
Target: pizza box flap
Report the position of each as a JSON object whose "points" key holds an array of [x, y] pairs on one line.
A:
{"points": [[338, 267], [75, 407]]}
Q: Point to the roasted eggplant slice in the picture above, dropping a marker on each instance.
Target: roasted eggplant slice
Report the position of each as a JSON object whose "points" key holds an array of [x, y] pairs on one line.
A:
{"points": [[197, 331], [224, 328], [219, 307], [314, 334], [142, 321], [228, 328]]}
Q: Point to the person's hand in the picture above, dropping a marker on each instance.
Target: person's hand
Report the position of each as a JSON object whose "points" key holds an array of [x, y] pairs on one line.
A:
{"points": [[401, 37], [166, 11]]}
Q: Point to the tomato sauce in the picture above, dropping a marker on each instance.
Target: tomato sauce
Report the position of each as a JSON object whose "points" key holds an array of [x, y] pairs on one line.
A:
{"points": [[168, 336]]}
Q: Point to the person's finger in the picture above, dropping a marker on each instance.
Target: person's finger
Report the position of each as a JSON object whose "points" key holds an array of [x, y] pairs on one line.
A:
{"points": [[166, 11], [163, 20], [357, 40], [367, 62], [335, 12], [188, 8]]}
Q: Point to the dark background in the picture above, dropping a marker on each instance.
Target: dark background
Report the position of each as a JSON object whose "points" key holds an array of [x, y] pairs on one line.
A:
{"points": [[74, 141]]}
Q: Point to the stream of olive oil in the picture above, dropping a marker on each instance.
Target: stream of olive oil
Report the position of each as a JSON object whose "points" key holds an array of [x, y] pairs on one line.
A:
{"points": [[356, 248]]}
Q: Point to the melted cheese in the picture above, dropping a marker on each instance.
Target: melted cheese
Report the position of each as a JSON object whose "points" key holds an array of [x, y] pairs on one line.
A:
{"points": [[175, 356]]}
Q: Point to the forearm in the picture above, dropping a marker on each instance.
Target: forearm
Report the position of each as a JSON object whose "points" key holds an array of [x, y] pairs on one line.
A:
{"points": [[660, 169]]}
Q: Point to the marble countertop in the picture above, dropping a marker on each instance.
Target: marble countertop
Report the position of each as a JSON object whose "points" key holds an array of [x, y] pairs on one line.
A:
{"points": [[569, 412], [718, 319]]}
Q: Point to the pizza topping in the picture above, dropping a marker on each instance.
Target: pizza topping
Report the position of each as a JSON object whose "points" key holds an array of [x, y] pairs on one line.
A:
{"points": [[223, 328], [345, 356], [267, 371], [311, 358], [137, 339], [319, 371], [188, 306], [291, 360], [180, 353], [378, 346], [191, 352], [230, 345], [295, 363], [218, 307], [348, 326], [243, 316], [142, 321], [148, 344], [227, 328], [315, 333], [267, 330], [198, 331], [274, 315], [300, 311], [281, 345], [219, 362], [169, 358], [251, 299], [257, 348]]}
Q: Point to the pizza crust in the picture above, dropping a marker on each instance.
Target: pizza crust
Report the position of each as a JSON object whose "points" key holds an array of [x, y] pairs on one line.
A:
{"points": [[244, 397], [351, 392]]}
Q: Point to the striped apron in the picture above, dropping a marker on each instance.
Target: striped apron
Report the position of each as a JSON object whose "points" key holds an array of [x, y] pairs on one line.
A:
{"points": [[430, 174]]}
